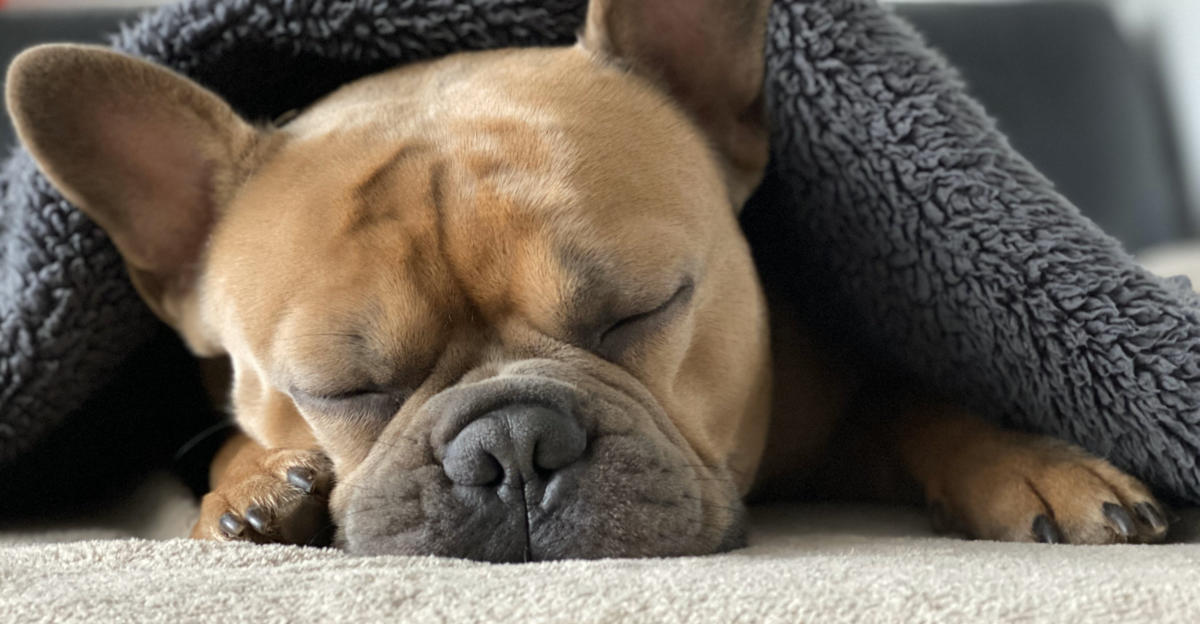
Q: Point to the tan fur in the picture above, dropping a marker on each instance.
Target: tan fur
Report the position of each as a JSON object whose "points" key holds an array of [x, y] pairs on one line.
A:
{"points": [[994, 483], [245, 475], [483, 215]]}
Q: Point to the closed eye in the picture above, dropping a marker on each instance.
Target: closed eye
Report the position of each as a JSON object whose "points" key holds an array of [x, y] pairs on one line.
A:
{"points": [[626, 331], [369, 401], [349, 395]]}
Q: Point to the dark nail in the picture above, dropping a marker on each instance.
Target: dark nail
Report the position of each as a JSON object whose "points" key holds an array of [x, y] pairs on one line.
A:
{"points": [[258, 518], [1151, 516], [1120, 519], [301, 478], [1044, 530], [231, 525]]}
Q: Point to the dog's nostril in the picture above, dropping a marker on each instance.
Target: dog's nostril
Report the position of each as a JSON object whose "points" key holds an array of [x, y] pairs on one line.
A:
{"points": [[514, 444], [473, 468]]}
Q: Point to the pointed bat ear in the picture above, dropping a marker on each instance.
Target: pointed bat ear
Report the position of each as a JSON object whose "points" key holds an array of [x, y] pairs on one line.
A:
{"points": [[708, 54], [148, 154]]}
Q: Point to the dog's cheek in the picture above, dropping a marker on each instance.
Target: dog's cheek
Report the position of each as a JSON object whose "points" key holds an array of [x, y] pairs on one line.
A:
{"points": [[339, 500], [347, 443], [380, 482]]}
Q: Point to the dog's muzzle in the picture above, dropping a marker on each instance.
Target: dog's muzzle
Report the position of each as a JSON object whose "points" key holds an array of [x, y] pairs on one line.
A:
{"points": [[526, 466]]}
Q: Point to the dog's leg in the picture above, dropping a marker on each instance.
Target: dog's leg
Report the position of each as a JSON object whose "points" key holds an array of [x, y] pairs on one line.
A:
{"points": [[992, 483], [266, 495]]}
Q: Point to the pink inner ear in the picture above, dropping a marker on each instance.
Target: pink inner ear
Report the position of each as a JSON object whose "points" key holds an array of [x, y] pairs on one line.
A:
{"points": [[677, 29], [164, 183], [695, 47]]}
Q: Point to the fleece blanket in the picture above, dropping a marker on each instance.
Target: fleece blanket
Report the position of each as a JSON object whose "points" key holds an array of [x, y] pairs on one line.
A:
{"points": [[893, 208], [812, 563]]}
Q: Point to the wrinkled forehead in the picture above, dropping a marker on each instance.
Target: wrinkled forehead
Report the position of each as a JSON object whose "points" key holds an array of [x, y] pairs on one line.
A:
{"points": [[513, 182]]}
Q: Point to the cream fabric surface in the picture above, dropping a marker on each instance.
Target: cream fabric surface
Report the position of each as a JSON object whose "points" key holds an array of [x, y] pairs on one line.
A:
{"points": [[813, 563]]}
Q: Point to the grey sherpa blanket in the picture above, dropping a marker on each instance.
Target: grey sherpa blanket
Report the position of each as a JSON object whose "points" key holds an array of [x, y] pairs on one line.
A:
{"points": [[892, 205]]}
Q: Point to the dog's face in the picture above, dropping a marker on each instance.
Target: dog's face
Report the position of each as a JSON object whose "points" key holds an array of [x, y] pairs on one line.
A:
{"points": [[505, 292]]}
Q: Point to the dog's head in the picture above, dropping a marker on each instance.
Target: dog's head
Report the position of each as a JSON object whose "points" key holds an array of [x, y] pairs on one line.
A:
{"points": [[506, 291]]}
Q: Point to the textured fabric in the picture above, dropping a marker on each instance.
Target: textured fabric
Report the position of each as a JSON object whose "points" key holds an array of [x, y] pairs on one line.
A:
{"points": [[813, 563], [1076, 97], [892, 201], [945, 252], [68, 314]]}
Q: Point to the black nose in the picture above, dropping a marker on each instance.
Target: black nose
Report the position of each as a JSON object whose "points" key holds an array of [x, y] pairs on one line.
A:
{"points": [[514, 446]]}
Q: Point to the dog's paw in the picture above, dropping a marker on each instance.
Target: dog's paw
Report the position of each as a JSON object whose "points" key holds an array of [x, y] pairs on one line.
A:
{"points": [[283, 498], [1026, 488]]}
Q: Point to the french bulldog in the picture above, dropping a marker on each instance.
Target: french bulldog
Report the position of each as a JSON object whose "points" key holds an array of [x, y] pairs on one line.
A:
{"points": [[498, 305]]}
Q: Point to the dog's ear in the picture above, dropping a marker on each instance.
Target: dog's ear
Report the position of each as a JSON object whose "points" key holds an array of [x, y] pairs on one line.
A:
{"points": [[709, 55], [148, 154]]}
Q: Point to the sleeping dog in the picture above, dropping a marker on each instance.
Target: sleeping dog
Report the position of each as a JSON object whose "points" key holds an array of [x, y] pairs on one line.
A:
{"points": [[498, 305]]}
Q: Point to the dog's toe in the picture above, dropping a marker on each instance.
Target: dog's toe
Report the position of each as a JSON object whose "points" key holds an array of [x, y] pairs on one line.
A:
{"points": [[1039, 490], [1119, 520], [1151, 518], [231, 525], [259, 519], [1045, 531], [303, 520], [302, 478], [285, 501]]}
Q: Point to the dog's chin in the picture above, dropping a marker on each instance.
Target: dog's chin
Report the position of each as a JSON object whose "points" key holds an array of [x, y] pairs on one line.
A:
{"points": [[509, 543], [630, 499]]}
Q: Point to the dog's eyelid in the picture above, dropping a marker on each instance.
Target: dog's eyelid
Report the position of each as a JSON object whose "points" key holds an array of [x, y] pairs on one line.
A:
{"points": [[364, 392], [681, 295], [350, 395]]}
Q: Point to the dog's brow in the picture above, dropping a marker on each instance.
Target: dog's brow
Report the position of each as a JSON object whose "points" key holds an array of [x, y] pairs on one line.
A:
{"points": [[371, 192], [597, 292], [352, 349], [586, 281]]}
